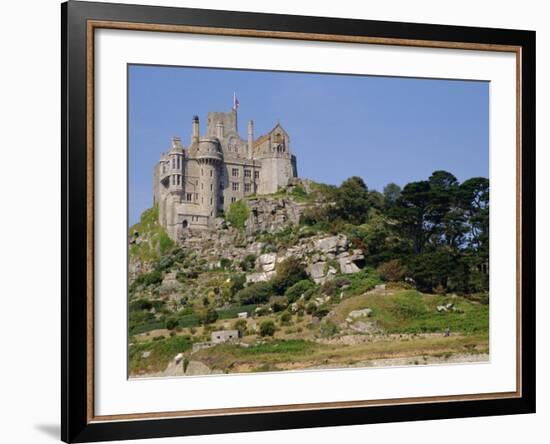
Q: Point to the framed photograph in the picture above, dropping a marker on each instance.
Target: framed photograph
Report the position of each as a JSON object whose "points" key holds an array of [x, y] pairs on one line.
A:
{"points": [[275, 221]]}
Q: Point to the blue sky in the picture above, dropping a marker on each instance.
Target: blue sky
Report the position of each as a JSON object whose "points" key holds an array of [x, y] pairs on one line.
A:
{"points": [[383, 129]]}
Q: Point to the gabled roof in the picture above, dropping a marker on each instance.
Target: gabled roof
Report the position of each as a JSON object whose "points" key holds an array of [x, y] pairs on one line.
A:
{"points": [[263, 138]]}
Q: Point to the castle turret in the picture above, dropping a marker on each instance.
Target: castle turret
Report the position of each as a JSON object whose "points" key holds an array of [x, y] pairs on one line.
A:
{"points": [[175, 167], [250, 137], [195, 134], [209, 157]]}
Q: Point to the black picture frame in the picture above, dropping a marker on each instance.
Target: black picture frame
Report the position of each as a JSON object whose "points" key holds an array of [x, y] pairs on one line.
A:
{"points": [[76, 423]]}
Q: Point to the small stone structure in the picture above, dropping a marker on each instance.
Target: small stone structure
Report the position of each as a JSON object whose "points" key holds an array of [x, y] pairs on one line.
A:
{"points": [[217, 337]]}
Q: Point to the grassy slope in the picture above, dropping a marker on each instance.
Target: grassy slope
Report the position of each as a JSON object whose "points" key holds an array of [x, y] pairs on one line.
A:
{"points": [[469, 327], [156, 240]]}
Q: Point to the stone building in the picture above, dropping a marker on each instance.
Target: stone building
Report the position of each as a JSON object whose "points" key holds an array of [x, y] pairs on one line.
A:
{"points": [[193, 184], [217, 337]]}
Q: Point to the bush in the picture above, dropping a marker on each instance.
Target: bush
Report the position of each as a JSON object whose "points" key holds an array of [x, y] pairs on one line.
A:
{"points": [[392, 271], [141, 304], [267, 328], [329, 328], [278, 303], [240, 325], [151, 278], [289, 272], [238, 213], [171, 323], [256, 293], [294, 292], [225, 263], [311, 308], [209, 316], [321, 312], [286, 317], [248, 263]]}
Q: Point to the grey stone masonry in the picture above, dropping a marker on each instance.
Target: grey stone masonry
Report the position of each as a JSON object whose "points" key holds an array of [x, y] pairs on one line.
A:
{"points": [[194, 184]]}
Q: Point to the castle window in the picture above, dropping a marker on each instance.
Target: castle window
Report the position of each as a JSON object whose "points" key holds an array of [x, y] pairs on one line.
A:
{"points": [[211, 173], [184, 224], [202, 172], [179, 179], [221, 200], [247, 173], [256, 174], [196, 196], [233, 199], [235, 172], [235, 186], [247, 188], [210, 201], [211, 185], [221, 171], [178, 162], [173, 162], [189, 197], [202, 186]]}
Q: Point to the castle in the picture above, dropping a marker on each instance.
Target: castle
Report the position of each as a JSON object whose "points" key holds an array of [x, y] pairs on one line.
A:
{"points": [[194, 184]]}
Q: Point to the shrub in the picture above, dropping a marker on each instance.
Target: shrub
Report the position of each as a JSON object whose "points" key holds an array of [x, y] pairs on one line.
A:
{"points": [[321, 312], [141, 304], [278, 303], [225, 263], [208, 316], [235, 283], [311, 308], [248, 263], [165, 243], [238, 213], [256, 293], [240, 325], [294, 292], [171, 323], [289, 272], [392, 271], [329, 328], [267, 328], [286, 317], [151, 278]]}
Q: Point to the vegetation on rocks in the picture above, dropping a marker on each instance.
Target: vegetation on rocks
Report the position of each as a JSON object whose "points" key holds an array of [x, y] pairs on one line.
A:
{"points": [[360, 276], [238, 213]]}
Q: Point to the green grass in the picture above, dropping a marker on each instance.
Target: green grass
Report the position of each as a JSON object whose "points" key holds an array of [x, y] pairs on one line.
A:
{"points": [[238, 213], [162, 352], [229, 313], [146, 326], [288, 347], [409, 311], [157, 240]]}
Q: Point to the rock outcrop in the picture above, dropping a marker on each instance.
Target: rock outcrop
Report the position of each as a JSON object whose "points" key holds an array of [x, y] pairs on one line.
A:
{"points": [[272, 214]]}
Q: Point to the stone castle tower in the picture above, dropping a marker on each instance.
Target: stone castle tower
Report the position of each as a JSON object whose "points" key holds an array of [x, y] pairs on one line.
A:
{"points": [[194, 184]]}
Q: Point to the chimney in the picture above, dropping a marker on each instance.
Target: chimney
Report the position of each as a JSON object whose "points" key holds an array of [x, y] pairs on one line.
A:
{"points": [[219, 130], [196, 130], [250, 136]]}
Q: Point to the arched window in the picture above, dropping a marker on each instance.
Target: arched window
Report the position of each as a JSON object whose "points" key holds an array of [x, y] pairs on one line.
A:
{"points": [[184, 224]]}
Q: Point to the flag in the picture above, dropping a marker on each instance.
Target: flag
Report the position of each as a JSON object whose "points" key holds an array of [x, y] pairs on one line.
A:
{"points": [[235, 102]]}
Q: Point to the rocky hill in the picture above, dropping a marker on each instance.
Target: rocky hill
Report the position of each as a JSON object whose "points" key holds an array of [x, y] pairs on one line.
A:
{"points": [[265, 290]]}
